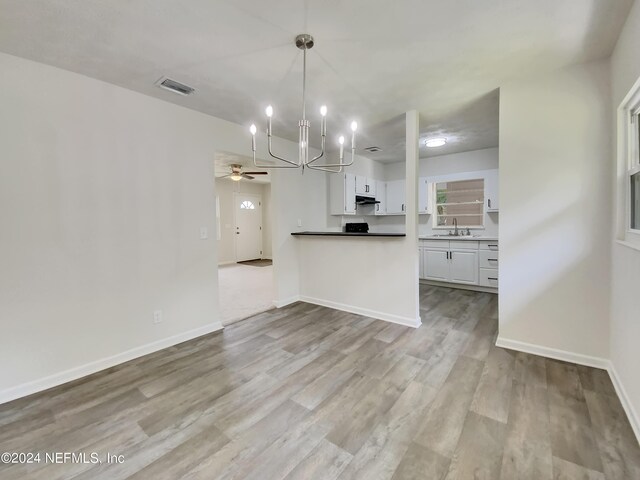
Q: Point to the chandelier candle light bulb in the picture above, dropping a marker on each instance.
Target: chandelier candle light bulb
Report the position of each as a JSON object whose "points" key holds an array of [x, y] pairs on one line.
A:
{"points": [[305, 42]]}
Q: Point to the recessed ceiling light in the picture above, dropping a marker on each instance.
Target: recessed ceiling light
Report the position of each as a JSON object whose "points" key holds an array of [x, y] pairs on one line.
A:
{"points": [[435, 142]]}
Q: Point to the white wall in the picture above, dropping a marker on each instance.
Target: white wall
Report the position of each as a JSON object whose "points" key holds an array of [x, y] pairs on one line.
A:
{"points": [[225, 189], [373, 276], [102, 195], [625, 276], [555, 204]]}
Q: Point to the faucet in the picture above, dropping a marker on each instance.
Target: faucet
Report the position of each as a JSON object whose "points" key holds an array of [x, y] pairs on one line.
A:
{"points": [[455, 225]]}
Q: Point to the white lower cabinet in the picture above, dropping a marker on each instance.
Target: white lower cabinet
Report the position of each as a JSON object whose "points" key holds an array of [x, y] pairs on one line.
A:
{"points": [[436, 265], [464, 262], [489, 277], [464, 266]]}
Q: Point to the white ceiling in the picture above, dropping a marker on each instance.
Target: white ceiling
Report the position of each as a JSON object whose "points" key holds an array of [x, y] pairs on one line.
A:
{"points": [[373, 59]]}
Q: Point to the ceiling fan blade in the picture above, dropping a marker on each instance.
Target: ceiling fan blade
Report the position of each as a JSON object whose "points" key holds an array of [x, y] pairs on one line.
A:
{"points": [[257, 173], [224, 176], [244, 175]]}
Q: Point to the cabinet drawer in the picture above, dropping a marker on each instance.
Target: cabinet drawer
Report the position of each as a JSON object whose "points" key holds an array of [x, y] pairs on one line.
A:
{"points": [[438, 244], [463, 245], [488, 259], [489, 245], [489, 277]]}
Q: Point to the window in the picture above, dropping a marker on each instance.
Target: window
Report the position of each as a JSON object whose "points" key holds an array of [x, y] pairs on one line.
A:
{"points": [[633, 172], [629, 167], [247, 205], [461, 201]]}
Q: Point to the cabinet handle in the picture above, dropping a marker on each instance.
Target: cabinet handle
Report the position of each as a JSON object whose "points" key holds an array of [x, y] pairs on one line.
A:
{"points": [[492, 278], [492, 259], [403, 207], [489, 202], [492, 246], [451, 255]]}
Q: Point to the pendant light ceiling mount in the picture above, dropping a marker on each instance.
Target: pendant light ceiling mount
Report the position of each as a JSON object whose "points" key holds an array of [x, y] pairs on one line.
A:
{"points": [[305, 42]]}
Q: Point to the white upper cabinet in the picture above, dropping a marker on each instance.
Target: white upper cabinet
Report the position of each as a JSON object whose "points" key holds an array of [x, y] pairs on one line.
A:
{"points": [[396, 197], [424, 196], [381, 196], [342, 189], [491, 197], [365, 186]]}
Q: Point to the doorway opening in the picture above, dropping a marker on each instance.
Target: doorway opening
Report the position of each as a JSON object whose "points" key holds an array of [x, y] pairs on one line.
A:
{"points": [[243, 210]]}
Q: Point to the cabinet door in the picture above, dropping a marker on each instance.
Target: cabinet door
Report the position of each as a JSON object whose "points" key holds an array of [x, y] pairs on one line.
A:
{"points": [[361, 185], [464, 266], [491, 197], [436, 265], [381, 196], [349, 194], [395, 197], [371, 187], [424, 202]]}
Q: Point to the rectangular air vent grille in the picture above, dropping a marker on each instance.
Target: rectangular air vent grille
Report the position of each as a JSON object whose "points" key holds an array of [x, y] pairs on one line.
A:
{"points": [[373, 149], [175, 87]]}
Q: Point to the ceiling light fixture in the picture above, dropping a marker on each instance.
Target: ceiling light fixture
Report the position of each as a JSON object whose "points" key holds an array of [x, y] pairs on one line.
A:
{"points": [[236, 177], [305, 42], [435, 142]]}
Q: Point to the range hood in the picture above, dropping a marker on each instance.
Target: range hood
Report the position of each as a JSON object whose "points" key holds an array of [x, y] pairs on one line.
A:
{"points": [[360, 200]]}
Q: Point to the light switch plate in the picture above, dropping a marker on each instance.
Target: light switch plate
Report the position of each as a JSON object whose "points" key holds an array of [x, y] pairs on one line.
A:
{"points": [[204, 233]]}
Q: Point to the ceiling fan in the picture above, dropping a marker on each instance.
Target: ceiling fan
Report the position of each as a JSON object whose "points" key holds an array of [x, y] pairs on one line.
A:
{"points": [[238, 174]]}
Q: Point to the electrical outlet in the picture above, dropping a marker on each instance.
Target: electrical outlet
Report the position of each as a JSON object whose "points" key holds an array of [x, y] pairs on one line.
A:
{"points": [[204, 233], [157, 317]]}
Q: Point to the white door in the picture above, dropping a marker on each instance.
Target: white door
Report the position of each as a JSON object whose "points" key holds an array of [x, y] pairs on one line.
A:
{"points": [[248, 213], [464, 266], [436, 264], [395, 197]]}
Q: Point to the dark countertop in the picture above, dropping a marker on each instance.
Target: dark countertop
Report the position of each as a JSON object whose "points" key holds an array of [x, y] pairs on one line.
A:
{"points": [[348, 234]]}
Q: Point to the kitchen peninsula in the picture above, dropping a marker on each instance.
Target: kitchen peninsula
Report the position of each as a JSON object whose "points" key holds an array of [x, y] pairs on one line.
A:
{"points": [[349, 234]]}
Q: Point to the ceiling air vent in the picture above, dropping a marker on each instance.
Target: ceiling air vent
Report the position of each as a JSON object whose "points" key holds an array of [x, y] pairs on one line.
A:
{"points": [[175, 87], [373, 149]]}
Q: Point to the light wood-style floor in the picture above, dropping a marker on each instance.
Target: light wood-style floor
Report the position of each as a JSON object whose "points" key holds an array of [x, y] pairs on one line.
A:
{"points": [[307, 392]]}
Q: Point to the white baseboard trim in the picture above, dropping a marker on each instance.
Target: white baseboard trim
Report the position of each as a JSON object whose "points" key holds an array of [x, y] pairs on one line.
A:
{"points": [[387, 317], [286, 301], [459, 286], [556, 354], [632, 415], [75, 373]]}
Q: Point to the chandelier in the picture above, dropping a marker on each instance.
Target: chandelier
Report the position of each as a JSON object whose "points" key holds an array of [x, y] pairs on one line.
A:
{"points": [[305, 42]]}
